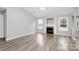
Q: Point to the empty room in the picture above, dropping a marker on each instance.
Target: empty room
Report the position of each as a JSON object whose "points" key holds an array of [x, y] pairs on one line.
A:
{"points": [[39, 28]]}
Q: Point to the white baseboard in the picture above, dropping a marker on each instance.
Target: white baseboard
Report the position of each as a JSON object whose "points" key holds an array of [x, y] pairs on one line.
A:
{"points": [[1, 37], [19, 36], [62, 34], [74, 38]]}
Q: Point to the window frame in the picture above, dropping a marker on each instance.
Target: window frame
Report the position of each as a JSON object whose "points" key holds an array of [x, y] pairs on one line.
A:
{"points": [[66, 23], [77, 23], [40, 25]]}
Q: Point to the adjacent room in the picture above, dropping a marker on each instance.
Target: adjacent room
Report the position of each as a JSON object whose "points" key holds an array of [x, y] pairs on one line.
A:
{"points": [[39, 28]]}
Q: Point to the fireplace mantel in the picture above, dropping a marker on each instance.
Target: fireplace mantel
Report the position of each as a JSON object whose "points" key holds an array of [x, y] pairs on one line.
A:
{"points": [[50, 25]]}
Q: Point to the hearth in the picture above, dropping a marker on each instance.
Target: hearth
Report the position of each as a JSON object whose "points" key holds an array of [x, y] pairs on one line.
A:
{"points": [[49, 30]]}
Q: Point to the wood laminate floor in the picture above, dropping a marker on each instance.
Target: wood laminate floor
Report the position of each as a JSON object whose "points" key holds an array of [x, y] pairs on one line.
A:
{"points": [[41, 42]]}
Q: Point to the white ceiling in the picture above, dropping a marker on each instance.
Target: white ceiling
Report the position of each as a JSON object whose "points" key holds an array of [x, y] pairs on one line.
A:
{"points": [[50, 11]]}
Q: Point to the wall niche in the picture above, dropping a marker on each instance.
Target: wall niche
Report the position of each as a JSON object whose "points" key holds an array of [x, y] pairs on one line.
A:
{"points": [[50, 21]]}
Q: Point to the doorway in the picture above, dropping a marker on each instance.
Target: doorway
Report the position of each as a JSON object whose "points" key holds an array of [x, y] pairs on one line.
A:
{"points": [[2, 24]]}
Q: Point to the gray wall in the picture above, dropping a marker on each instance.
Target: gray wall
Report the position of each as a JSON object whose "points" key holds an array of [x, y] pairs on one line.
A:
{"points": [[76, 31], [56, 23], [62, 32], [19, 22]]}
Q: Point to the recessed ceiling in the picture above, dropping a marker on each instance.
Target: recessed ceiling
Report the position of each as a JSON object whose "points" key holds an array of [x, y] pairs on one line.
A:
{"points": [[49, 11]]}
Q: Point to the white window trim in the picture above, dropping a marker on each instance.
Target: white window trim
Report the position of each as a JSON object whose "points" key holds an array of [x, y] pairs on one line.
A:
{"points": [[61, 28], [41, 27], [77, 20]]}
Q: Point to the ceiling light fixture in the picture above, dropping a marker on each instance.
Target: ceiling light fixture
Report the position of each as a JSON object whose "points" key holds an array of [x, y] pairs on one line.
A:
{"points": [[43, 8]]}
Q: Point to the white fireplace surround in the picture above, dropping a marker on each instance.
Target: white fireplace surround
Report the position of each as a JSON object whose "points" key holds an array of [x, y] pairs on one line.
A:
{"points": [[49, 25]]}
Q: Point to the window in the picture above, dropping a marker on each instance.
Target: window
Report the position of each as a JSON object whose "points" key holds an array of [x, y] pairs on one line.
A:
{"points": [[40, 23], [63, 23], [77, 25], [77, 22]]}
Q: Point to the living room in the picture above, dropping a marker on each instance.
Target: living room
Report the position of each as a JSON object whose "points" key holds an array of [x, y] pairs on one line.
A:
{"points": [[39, 28]]}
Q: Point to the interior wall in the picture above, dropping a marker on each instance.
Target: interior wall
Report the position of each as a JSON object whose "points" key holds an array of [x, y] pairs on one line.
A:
{"points": [[39, 30], [57, 31], [62, 32], [45, 23], [76, 31], [19, 22], [1, 26]]}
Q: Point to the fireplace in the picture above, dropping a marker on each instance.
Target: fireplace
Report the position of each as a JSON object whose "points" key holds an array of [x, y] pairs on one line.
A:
{"points": [[49, 30]]}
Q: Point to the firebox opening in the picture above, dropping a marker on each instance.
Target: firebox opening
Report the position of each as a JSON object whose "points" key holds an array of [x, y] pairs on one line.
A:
{"points": [[50, 30]]}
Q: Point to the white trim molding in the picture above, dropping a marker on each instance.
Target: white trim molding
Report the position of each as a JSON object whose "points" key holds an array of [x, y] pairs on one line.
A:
{"points": [[61, 28], [63, 34], [19, 36]]}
